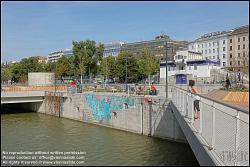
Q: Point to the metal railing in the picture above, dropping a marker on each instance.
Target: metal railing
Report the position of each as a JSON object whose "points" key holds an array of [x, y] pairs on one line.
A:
{"points": [[224, 128], [137, 89]]}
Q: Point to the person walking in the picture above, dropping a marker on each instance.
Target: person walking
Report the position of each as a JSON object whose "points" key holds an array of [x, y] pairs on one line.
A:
{"points": [[195, 91]]}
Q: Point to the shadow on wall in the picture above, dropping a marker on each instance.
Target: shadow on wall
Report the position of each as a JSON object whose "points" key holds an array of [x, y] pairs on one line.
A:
{"points": [[162, 122]]}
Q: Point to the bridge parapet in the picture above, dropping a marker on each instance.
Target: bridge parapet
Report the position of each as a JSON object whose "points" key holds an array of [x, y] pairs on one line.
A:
{"points": [[223, 129]]}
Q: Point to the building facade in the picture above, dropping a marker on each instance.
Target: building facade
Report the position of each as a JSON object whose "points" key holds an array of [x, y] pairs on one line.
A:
{"points": [[40, 58], [112, 49], [54, 56], [238, 48], [157, 47], [187, 55], [212, 46], [199, 70]]}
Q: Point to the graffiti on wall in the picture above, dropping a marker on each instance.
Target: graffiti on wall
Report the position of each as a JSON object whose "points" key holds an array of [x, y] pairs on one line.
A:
{"points": [[102, 107]]}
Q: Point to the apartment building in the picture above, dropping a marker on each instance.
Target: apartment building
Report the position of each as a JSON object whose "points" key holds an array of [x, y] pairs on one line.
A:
{"points": [[212, 46], [238, 48]]}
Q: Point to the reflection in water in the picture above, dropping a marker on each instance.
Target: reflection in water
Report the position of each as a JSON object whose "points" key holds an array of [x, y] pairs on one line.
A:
{"points": [[103, 146]]}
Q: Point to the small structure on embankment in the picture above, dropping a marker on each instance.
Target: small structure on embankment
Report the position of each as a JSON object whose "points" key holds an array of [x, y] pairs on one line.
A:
{"points": [[41, 78]]}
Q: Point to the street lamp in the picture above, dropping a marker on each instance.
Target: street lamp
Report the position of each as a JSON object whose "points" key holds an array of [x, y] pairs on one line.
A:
{"points": [[166, 70], [126, 79], [55, 74]]}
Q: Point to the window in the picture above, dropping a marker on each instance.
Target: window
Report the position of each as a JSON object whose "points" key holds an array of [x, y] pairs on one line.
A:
{"points": [[202, 45], [231, 40], [238, 39], [205, 51], [244, 46], [231, 47], [224, 55], [224, 41], [238, 54], [192, 46], [244, 54], [231, 55], [209, 57], [231, 63], [213, 50], [202, 51], [189, 67], [244, 38], [209, 50], [224, 64], [238, 63], [224, 48], [213, 43], [213, 57], [206, 45], [238, 47], [198, 46], [209, 44]]}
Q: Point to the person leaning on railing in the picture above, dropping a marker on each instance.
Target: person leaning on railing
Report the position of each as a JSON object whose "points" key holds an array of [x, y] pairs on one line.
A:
{"points": [[194, 90]]}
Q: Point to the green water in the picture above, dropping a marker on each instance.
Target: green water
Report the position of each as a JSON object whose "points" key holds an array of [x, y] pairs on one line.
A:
{"points": [[103, 146]]}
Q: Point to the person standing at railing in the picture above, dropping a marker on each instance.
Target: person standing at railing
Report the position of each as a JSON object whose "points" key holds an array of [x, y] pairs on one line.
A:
{"points": [[194, 91], [152, 89]]}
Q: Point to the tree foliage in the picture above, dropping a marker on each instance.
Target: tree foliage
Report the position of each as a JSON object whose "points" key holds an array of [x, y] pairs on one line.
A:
{"points": [[86, 56]]}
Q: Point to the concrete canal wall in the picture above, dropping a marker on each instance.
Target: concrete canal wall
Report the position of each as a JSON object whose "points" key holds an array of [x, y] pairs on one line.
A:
{"points": [[147, 116]]}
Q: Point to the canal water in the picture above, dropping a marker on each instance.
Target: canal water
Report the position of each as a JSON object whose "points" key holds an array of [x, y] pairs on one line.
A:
{"points": [[103, 146]]}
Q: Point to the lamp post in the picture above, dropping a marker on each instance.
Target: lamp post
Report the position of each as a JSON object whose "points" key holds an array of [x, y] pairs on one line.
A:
{"points": [[126, 79], [166, 70], [55, 74]]}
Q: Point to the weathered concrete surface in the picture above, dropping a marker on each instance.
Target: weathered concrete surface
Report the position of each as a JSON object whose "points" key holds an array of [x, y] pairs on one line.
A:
{"points": [[22, 97], [129, 113]]}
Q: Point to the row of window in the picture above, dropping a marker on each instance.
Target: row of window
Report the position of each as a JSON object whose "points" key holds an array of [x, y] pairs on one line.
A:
{"points": [[243, 39], [209, 44], [243, 54], [243, 47], [238, 63]]}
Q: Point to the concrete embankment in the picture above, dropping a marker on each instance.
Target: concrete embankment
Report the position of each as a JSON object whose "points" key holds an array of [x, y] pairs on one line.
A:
{"points": [[150, 116]]}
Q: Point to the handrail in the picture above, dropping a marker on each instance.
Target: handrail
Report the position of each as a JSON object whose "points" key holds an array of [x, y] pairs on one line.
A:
{"points": [[225, 104]]}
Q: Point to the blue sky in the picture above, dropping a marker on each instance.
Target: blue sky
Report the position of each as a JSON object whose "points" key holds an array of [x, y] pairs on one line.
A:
{"points": [[37, 28]]}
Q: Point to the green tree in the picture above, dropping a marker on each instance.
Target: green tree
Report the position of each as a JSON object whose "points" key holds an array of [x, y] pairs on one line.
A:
{"points": [[132, 67], [86, 56], [63, 67], [148, 64], [6, 74], [107, 67]]}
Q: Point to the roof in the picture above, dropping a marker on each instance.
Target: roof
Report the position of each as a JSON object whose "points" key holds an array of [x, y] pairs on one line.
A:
{"points": [[240, 30]]}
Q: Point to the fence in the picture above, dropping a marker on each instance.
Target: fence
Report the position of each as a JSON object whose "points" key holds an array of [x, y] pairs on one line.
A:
{"points": [[138, 89], [224, 128]]}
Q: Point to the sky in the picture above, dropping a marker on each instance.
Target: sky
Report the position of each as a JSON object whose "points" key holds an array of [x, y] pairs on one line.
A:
{"points": [[38, 28]]}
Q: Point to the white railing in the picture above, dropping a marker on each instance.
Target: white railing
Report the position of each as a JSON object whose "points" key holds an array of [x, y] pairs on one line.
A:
{"points": [[224, 128]]}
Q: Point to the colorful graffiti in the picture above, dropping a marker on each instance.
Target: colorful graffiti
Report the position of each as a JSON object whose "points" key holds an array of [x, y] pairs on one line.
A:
{"points": [[102, 107]]}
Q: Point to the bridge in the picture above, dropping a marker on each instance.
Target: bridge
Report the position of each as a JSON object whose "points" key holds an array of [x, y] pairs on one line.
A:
{"points": [[219, 137]]}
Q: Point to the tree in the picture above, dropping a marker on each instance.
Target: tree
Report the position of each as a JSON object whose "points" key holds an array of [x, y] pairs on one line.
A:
{"points": [[63, 67], [132, 67], [6, 74], [148, 64], [86, 56], [107, 67]]}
